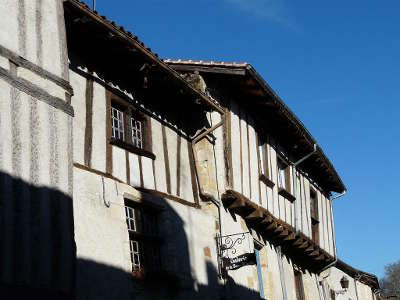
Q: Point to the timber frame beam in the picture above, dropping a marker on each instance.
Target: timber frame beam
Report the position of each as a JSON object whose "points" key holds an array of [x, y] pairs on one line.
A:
{"points": [[305, 252]]}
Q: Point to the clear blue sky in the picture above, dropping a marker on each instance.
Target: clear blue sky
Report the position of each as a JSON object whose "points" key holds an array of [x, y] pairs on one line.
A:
{"points": [[335, 63]]}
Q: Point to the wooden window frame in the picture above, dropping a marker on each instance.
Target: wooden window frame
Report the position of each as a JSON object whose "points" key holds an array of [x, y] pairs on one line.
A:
{"points": [[264, 161], [130, 111], [285, 191], [314, 213], [146, 258]]}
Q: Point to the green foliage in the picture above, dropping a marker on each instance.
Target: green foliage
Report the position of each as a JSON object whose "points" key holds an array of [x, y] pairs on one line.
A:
{"points": [[390, 283]]}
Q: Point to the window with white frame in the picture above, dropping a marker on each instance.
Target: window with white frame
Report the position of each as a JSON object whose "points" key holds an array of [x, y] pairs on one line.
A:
{"points": [[117, 123], [283, 174], [264, 157], [137, 133], [144, 242]]}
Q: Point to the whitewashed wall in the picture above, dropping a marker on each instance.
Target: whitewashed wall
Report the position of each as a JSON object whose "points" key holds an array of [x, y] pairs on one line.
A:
{"points": [[139, 168], [245, 172], [37, 243]]}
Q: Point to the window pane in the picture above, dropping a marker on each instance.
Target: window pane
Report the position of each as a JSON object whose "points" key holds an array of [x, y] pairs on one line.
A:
{"points": [[261, 154], [137, 133]]}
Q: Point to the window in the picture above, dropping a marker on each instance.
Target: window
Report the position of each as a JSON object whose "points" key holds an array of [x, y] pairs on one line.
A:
{"points": [[130, 128], [314, 216], [283, 174], [263, 155], [144, 242], [298, 278], [264, 162], [137, 134], [117, 123]]}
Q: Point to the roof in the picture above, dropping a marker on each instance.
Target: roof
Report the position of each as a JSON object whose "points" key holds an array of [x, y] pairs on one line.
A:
{"points": [[246, 69], [364, 277], [82, 10]]}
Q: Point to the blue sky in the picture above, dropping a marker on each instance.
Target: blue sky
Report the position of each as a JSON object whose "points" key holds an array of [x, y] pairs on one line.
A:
{"points": [[336, 64]]}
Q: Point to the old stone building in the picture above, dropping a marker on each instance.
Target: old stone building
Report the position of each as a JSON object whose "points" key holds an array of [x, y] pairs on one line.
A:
{"points": [[123, 176]]}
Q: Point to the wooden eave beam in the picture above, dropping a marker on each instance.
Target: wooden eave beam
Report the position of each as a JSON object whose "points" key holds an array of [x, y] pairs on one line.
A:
{"points": [[208, 69], [255, 215], [290, 237]]}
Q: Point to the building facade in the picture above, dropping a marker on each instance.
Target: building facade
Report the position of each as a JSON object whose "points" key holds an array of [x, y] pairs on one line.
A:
{"points": [[124, 176]]}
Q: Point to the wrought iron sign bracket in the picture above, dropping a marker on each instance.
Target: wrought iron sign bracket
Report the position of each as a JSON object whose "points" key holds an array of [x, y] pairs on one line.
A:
{"points": [[227, 246]]}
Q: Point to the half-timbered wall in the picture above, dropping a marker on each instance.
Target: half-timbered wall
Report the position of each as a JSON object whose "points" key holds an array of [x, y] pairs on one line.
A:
{"points": [[243, 139], [171, 171], [37, 239]]}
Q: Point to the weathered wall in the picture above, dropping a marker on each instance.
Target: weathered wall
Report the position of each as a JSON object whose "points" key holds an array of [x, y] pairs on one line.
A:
{"points": [[170, 172], [37, 244], [356, 290], [103, 265], [245, 174]]}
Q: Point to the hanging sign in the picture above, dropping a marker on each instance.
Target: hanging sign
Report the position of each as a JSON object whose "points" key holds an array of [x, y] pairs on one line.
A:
{"points": [[239, 261]]}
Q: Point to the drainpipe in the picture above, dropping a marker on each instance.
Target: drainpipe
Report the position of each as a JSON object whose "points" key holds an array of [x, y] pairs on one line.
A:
{"points": [[294, 176], [338, 196], [216, 202], [356, 278], [333, 228]]}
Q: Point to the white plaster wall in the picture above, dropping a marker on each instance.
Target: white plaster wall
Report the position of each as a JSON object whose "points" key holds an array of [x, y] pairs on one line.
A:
{"points": [[9, 25], [245, 154], [99, 124], [235, 146], [30, 29], [332, 282], [172, 144], [147, 170], [186, 190], [311, 285], [36, 188], [219, 151], [51, 38], [119, 163], [102, 241], [272, 286], [274, 175], [134, 170], [158, 150], [101, 238], [255, 193], [78, 102]]}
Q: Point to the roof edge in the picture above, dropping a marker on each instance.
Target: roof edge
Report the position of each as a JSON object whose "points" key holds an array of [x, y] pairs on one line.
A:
{"points": [[289, 113]]}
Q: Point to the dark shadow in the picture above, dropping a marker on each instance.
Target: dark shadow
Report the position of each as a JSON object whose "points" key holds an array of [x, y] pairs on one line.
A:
{"points": [[38, 255], [174, 281], [37, 247]]}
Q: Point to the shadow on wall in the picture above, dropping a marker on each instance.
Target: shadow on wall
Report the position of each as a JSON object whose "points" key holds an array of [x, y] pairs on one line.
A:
{"points": [[38, 255], [99, 281], [177, 280], [37, 247]]}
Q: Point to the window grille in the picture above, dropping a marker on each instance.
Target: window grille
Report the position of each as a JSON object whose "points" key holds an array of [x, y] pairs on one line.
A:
{"points": [[137, 133], [117, 123], [135, 255], [143, 238], [130, 218]]}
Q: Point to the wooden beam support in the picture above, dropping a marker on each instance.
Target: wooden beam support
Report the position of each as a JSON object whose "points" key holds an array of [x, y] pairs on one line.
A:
{"points": [[290, 237], [254, 215]]}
